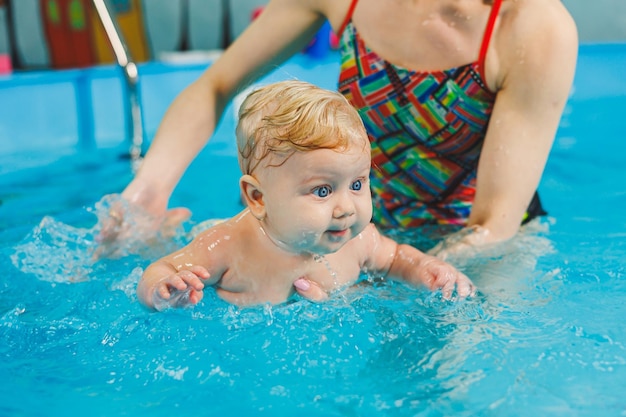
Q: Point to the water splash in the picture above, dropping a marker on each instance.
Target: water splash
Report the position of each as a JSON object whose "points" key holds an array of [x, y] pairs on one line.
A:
{"points": [[58, 252]]}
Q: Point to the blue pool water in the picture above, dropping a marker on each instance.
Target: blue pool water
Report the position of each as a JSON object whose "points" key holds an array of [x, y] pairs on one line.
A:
{"points": [[545, 336]]}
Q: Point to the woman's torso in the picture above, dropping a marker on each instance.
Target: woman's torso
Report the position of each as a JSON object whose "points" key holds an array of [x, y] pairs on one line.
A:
{"points": [[426, 125]]}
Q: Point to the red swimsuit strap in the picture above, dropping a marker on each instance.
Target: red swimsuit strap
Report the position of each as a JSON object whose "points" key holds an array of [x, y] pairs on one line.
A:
{"points": [[347, 18], [495, 9]]}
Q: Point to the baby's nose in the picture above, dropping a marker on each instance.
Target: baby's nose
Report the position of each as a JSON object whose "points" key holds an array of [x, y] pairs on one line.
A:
{"points": [[345, 207]]}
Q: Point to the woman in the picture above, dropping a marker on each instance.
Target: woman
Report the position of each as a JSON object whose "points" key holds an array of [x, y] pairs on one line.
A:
{"points": [[461, 99]]}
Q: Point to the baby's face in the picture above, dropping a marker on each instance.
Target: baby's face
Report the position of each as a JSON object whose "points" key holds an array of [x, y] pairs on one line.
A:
{"points": [[318, 200]]}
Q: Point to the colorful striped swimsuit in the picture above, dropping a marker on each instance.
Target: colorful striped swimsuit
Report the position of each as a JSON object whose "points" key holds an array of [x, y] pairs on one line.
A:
{"points": [[426, 130]]}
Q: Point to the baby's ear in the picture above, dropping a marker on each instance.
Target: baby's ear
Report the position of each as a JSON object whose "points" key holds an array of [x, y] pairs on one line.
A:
{"points": [[253, 195]]}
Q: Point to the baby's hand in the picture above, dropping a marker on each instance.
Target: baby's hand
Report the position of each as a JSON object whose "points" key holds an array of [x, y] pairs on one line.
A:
{"points": [[310, 290], [437, 274], [181, 289]]}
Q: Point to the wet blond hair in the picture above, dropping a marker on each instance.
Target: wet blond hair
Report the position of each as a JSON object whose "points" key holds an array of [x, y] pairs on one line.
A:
{"points": [[294, 116]]}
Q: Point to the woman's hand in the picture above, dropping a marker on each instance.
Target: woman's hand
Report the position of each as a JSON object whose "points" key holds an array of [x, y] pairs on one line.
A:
{"points": [[127, 228], [465, 242]]}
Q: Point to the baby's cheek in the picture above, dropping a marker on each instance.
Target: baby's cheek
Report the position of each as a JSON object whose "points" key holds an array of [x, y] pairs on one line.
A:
{"points": [[366, 210], [363, 222]]}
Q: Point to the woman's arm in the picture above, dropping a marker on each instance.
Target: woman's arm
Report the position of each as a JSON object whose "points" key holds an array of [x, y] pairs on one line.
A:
{"points": [[537, 51], [532, 63], [284, 27]]}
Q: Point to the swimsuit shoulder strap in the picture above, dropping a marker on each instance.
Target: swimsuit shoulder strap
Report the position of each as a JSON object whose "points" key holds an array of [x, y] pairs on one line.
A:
{"points": [[495, 9], [347, 19]]}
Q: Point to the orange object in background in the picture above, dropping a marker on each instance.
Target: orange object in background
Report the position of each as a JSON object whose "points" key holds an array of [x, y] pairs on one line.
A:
{"points": [[130, 22], [76, 37]]}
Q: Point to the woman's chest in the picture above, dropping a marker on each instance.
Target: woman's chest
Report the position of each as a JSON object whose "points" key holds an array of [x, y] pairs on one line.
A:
{"points": [[422, 36]]}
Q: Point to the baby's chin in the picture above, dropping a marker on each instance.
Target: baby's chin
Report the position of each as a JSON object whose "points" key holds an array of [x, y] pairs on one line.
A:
{"points": [[330, 241], [318, 249]]}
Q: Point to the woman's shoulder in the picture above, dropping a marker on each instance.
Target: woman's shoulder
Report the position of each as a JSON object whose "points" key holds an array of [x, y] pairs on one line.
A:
{"points": [[534, 19], [534, 36], [333, 10]]}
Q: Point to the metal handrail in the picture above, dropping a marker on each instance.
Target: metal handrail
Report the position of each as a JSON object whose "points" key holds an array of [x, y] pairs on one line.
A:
{"points": [[131, 76]]}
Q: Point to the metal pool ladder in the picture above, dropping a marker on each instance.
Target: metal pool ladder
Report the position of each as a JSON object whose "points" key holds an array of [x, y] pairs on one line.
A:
{"points": [[131, 76]]}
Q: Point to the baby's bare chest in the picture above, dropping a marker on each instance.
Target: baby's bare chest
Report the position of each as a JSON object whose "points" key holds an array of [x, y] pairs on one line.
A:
{"points": [[252, 282]]}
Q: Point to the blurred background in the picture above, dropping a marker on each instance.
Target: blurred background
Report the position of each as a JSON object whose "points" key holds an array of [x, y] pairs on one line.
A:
{"points": [[62, 92], [36, 34]]}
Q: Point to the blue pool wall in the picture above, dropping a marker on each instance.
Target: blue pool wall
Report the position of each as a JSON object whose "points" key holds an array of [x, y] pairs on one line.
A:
{"points": [[86, 108], [72, 110]]}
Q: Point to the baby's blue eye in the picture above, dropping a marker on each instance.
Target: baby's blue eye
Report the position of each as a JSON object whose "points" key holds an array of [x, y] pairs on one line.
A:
{"points": [[357, 185], [323, 191]]}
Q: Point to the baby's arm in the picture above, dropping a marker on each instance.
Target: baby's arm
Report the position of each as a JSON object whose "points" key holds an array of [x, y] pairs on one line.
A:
{"points": [[178, 279], [384, 257], [409, 264], [414, 266]]}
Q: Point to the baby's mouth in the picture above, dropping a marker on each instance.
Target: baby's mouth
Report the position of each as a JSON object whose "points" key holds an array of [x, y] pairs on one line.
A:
{"points": [[338, 233]]}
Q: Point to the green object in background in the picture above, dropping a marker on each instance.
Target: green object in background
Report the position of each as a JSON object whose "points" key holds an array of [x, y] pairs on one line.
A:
{"points": [[77, 15], [54, 15]]}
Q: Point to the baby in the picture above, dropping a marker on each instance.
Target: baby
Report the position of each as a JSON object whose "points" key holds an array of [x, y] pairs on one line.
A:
{"points": [[305, 159]]}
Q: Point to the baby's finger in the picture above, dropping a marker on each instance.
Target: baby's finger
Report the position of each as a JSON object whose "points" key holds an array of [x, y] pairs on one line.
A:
{"points": [[440, 276], [465, 287], [163, 291], [195, 296], [170, 292], [200, 271], [447, 289], [310, 290], [189, 278]]}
